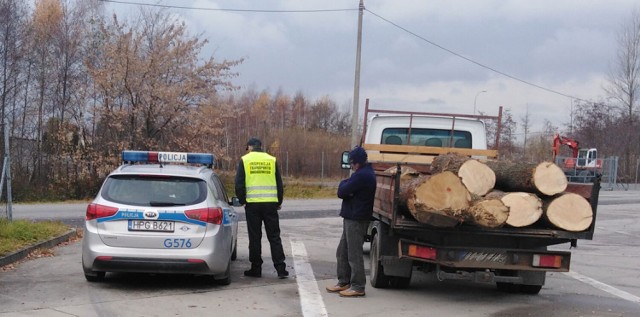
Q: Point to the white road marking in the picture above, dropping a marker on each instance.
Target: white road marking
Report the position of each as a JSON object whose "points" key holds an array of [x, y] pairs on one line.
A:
{"points": [[602, 286], [310, 299]]}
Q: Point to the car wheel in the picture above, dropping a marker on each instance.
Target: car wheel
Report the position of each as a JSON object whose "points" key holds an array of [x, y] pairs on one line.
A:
{"points": [[98, 277], [234, 253]]}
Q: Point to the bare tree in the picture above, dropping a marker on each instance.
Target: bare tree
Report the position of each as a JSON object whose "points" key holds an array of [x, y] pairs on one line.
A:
{"points": [[526, 123], [624, 85], [507, 146], [624, 77]]}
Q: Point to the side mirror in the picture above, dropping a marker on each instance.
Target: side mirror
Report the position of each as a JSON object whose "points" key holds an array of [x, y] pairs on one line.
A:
{"points": [[235, 202], [345, 160]]}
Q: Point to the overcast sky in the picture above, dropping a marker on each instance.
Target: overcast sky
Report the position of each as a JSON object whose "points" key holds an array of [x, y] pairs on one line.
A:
{"points": [[567, 46]]}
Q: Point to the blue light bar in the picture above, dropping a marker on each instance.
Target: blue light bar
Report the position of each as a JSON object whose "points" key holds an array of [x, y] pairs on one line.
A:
{"points": [[167, 157], [200, 158], [135, 156]]}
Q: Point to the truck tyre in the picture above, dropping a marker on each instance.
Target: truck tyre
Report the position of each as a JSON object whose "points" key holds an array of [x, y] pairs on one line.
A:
{"points": [[535, 278], [378, 278], [530, 289], [508, 287], [400, 282]]}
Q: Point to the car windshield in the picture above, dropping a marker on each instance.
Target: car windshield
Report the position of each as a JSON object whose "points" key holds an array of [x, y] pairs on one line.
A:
{"points": [[142, 190]]}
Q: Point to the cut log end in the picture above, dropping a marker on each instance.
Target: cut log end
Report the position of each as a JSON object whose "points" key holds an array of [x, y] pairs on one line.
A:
{"points": [[443, 191], [477, 177], [549, 179], [432, 199], [570, 212], [490, 213], [524, 208]]}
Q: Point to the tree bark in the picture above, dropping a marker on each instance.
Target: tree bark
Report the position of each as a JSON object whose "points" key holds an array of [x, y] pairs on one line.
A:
{"points": [[476, 176], [568, 211], [524, 208], [438, 200], [545, 178]]}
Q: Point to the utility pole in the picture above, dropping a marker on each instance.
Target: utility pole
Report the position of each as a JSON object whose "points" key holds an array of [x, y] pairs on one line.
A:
{"points": [[356, 86]]}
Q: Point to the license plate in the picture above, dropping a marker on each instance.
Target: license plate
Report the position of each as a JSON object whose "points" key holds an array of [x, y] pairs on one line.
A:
{"points": [[151, 225]]}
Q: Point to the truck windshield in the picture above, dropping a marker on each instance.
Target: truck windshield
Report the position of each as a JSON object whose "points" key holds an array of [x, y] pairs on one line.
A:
{"points": [[427, 137]]}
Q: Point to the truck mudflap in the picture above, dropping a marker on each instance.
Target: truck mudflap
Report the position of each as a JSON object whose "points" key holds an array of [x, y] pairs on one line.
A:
{"points": [[486, 258]]}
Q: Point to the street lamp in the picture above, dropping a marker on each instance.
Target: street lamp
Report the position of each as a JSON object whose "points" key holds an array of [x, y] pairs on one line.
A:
{"points": [[476, 99]]}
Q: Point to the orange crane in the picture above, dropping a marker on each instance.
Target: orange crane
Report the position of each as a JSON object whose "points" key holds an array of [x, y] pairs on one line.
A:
{"points": [[581, 159]]}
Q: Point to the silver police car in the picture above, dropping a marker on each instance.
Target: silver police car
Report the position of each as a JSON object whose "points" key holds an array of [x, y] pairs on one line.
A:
{"points": [[155, 216]]}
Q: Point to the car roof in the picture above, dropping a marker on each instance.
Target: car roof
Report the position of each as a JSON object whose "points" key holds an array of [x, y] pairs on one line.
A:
{"points": [[164, 169]]}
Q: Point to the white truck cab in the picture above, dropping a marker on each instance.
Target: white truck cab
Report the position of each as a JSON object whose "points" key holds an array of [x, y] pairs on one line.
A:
{"points": [[435, 131], [418, 137]]}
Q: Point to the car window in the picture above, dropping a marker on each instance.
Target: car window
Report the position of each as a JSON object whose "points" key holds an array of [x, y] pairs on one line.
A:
{"points": [[221, 193], [428, 137], [140, 190]]}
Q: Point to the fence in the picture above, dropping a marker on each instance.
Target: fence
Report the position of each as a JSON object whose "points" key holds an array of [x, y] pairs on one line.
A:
{"points": [[608, 171]]}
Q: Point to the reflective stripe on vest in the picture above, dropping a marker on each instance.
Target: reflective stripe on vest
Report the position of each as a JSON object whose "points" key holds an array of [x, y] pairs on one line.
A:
{"points": [[260, 177]]}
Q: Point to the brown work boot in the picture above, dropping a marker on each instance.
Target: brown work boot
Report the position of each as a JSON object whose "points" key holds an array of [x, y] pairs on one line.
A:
{"points": [[337, 288], [351, 293]]}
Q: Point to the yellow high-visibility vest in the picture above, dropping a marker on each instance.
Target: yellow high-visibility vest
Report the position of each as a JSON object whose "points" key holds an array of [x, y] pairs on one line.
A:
{"points": [[260, 177]]}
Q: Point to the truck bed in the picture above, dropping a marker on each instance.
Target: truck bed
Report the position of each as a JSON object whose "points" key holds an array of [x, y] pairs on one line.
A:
{"points": [[401, 221]]}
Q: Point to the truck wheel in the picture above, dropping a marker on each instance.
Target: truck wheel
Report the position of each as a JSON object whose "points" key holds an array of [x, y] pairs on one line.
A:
{"points": [[530, 289], [508, 287], [378, 279], [400, 282]]}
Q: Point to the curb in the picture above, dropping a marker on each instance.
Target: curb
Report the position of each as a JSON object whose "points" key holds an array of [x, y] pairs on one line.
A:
{"points": [[23, 253]]}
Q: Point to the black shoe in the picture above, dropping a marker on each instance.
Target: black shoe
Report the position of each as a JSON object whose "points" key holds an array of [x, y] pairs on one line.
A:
{"points": [[282, 273], [253, 272]]}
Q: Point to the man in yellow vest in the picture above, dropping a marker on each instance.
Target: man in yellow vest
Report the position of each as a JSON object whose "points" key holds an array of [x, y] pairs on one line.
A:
{"points": [[259, 188]]}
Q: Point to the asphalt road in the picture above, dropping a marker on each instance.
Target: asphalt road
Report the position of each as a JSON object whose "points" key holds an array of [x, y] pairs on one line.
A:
{"points": [[604, 278]]}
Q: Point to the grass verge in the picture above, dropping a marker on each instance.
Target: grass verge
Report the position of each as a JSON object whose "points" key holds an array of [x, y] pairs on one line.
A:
{"points": [[18, 234]]}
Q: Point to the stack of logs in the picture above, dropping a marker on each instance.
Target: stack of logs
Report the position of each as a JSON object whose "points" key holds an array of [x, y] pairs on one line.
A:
{"points": [[492, 194]]}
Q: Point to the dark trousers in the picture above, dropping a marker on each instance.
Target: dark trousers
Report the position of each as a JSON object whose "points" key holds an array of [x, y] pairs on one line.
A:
{"points": [[267, 213]]}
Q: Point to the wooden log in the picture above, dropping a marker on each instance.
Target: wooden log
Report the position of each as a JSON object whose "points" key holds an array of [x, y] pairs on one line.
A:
{"points": [[487, 213], [545, 178], [407, 173], [525, 209], [438, 200], [476, 176], [568, 211]]}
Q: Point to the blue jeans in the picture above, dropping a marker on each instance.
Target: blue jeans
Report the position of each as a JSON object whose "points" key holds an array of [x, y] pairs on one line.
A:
{"points": [[349, 254]]}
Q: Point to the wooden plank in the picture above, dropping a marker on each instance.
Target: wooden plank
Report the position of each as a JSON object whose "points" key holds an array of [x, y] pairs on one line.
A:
{"points": [[402, 158], [419, 149]]}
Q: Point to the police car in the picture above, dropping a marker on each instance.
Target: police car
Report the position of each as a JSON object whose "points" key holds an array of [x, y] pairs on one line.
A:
{"points": [[155, 216]]}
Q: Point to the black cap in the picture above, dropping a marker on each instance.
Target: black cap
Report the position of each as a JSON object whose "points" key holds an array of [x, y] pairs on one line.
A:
{"points": [[255, 142]]}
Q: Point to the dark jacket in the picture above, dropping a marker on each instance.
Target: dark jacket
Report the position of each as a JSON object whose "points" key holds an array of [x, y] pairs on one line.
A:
{"points": [[241, 187], [357, 193]]}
